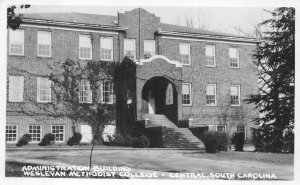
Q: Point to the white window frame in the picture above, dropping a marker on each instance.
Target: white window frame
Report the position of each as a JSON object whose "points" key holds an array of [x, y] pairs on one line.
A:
{"points": [[190, 93], [214, 55], [39, 90], [64, 133], [239, 95], [237, 57], [134, 52], [189, 53], [111, 92], [215, 88], [38, 48], [16, 43], [10, 89], [90, 47], [245, 130], [146, 53], [14, 141], [41, 133], [82, 92], [102, 48], [225, 126]]}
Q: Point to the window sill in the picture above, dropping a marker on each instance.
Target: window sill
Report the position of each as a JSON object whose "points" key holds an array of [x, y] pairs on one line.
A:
{"points": [[211, 66], [16, 55], [85, 59], [49, 57], [187, 105], [235, 105], [9, 101], [234, 67], [211, 105]]}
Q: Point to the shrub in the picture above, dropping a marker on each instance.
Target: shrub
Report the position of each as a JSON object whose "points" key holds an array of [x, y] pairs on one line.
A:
{"points": [[222, 140], [119, 140], [49, 139], [75, 139], [24, 140], [210, 142], [141, 142], [238, 140], [215, 141]]}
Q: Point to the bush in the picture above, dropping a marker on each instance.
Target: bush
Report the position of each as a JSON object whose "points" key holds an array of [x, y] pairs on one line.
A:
{"points": [[210, 142], [75, 139], [24, 140], [49, 139], [215, 141], [141, 142], [238, 140], [119, 140]]}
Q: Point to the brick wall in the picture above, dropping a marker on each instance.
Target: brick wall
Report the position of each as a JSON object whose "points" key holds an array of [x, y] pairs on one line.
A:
{"points": [[223, 76], [64, 44]]}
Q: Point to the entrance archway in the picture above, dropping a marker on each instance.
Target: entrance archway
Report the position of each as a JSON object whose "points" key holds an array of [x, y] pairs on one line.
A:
{"points": [[160, 96]]}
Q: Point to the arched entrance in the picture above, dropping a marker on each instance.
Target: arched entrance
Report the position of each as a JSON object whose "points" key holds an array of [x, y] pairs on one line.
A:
{"points": [[160, 96]]}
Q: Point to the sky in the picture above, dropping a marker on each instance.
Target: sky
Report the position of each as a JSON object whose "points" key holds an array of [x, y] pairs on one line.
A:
{"points": [[222, 19]]}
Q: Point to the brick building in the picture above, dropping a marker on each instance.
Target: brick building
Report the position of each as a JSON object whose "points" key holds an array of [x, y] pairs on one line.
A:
{"points": [[195, 78]]}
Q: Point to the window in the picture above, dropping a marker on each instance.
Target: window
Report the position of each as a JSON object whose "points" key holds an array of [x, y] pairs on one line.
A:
{"points": [[107, 92], [221, 128], [129, 48], [234, 57], [35, 132], [186, 94], [235, 95], [16, 42], [85, 94], [184, 51], [11, 133], [211, 95], [59, 132], [85, 47], [106, 48], [241, 128], [210, 56], [16, 84], [149, 48], [44, 44], [43, 90]]}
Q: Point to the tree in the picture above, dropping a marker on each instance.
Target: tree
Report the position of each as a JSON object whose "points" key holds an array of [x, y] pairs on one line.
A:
{"points": [[13, 20], [275, 58]]}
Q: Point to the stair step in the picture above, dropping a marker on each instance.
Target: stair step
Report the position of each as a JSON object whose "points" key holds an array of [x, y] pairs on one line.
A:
{"points": [[175, 137]]}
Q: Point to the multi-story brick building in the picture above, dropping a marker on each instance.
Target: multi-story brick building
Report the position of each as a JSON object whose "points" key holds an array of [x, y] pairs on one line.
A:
{"points": [[194, 77]]}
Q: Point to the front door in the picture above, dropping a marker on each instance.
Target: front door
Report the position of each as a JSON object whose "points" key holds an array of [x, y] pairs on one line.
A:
{"points": [[151, 103]]}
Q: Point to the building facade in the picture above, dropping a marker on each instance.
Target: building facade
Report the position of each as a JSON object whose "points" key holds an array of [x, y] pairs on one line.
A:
{"points": [[195, 78]]}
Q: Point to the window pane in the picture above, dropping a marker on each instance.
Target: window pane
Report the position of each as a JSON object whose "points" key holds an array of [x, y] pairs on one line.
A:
{"points": [[58, 131], [85, 41], [16, 36], [233, 52], [16, 88], [209, 51], [184, 49], [35, 132], [44, 38]]}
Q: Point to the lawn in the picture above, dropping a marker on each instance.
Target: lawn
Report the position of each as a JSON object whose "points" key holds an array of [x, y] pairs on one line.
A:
{"points": [[165, 160]]}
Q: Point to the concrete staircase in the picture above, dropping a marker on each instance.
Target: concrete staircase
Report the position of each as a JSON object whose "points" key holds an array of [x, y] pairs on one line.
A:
{"points": [[174, 137]]}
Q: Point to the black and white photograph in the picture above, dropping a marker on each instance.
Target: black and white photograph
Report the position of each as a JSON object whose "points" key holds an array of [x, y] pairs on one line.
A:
{"points": [[118, 92]]}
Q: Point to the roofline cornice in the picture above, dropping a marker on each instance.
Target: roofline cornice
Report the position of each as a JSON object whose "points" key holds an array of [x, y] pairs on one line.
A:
{"points": [[208, 36], [44, 22]]}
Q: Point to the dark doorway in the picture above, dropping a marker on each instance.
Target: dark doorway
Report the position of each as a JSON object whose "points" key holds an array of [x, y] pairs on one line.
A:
{"points": [[159, 96]]}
